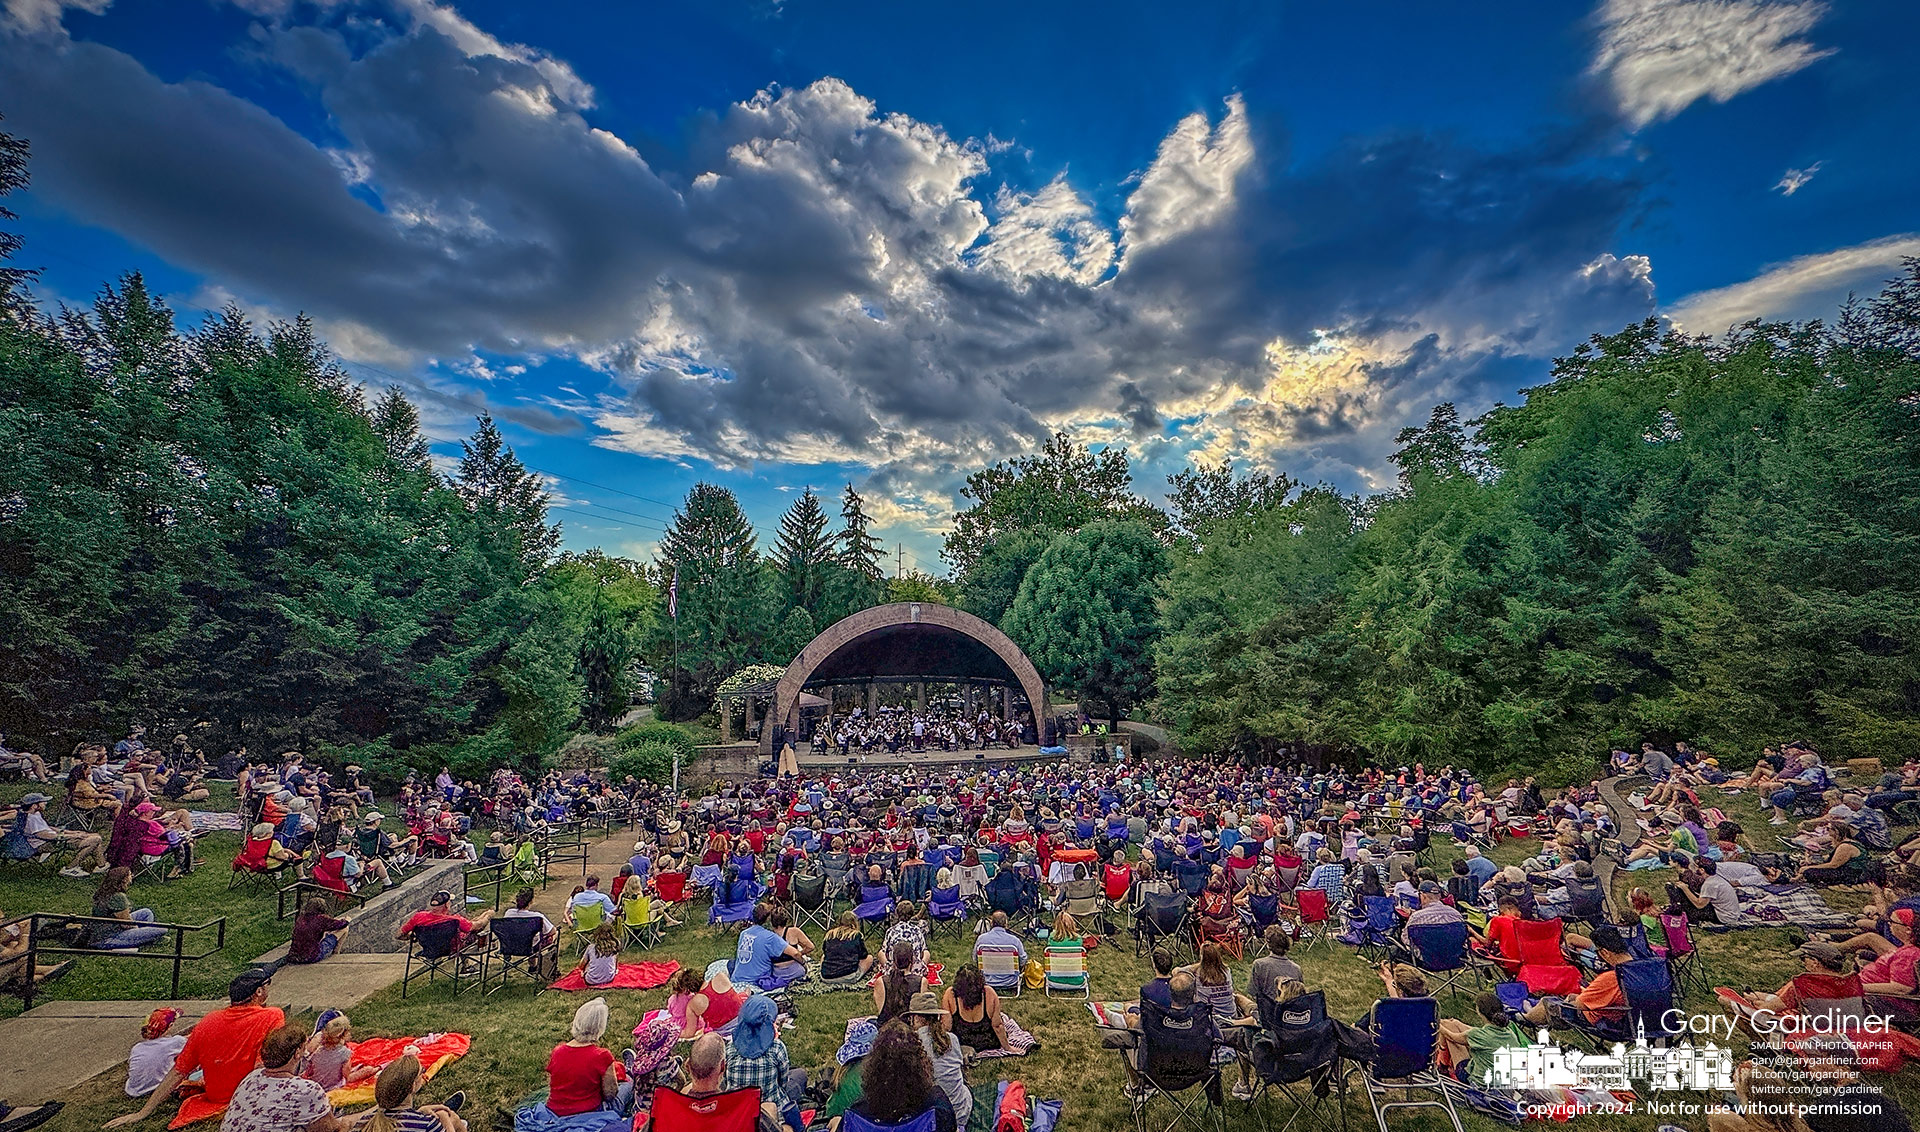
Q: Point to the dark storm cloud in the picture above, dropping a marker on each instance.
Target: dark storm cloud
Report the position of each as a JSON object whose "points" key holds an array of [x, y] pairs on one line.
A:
{"points": [[820, 280]]}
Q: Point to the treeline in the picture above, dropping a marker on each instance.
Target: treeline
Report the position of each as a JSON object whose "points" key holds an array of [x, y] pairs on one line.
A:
{"points": [[212, 531], [1672, 538]]}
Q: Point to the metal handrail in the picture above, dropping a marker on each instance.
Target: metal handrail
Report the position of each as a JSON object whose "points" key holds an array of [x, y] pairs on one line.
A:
{"points": [[281, 912], [495, 874], [179, 956]]}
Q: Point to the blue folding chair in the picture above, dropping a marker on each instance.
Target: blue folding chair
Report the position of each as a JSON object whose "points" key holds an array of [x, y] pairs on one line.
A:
{"points": [[947, 910], [1406, 1033], [852, 1121], [737, 905], [1375, 932], [876, 903], [1440, 951]]}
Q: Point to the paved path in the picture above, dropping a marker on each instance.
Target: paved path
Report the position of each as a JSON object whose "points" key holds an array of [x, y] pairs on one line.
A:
{"points": [[57, 1045]]}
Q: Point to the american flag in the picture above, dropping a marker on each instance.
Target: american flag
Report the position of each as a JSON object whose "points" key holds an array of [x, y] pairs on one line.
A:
{"points": [[673, 595]]}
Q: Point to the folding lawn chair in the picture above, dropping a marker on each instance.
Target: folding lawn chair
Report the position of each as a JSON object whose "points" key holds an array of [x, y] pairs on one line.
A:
{"points": [[1162, 916], [517, 947], [1297, 1055], [1406, 1034], [946, 911], [644, 929], [1373, 933], [739, 909], [1066, 967], [1689, 972], [1543, 965], [1001, 967], [1440, 952], [1174, 1058], [737, 1111], [1314, 919], [852, 1121], [812, 904], [431, 949], [876, 904]]}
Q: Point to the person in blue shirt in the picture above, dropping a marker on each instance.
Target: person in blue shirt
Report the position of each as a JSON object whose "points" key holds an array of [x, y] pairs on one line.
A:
{"points": [[759, 949], [1482, 868]]}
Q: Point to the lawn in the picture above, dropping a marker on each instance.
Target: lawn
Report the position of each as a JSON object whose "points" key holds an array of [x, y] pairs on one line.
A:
{"points": [[514, 1030]]}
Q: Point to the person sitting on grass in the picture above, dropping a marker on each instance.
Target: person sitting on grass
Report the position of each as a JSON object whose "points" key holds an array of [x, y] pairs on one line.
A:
{"points": [[317, 933], [584, 1093], [275, 1098], [329, 1054], [600, 960], [129, 928], [898, 986], [1472, 1049], [13, 959], [930, 1022], [223, 1047], [1846, 861], [974, 1008], [395, 1108], [910, 931], [843, 954], [757, 1058], [896, 1080]]}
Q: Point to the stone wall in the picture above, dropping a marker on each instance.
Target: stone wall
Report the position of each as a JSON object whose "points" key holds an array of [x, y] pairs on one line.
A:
{"points": [[375, 921], [721, 760]]}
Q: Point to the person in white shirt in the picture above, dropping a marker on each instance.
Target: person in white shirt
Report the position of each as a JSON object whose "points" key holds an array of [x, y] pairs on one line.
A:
{"points": [[154, 1053]]}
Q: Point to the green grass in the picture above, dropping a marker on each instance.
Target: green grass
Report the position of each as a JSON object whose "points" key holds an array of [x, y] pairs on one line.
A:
{"points": [[515, 1030]]}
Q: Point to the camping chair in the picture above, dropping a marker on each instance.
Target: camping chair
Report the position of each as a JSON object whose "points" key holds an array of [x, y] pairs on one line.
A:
{"points": [[836, 863], [517, 946], [1174, 1055], [1162, 915], [1298, 1056], [643, 928], [738, 910], [876, 904], [1689, 972], [737, 1111], [1000, 965], [1647, 985], [431, 949], [946, 911], [812, 904], [587, 919], [1406, 1032], [1263, 912], [1543, 965], [1191, 876], [1373, 933], [851, 1121], [252, 868], [1006, 892], [524, 866], [1286, 873], [1313, 916], [1085, 902], [1440, 952], [1066, 965]]}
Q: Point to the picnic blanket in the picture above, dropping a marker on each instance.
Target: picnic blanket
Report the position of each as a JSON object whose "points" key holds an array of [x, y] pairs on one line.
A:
{"points": [[216, 821], [1791, 904], [626, 976], [1019, 1042], [436, 1051]]}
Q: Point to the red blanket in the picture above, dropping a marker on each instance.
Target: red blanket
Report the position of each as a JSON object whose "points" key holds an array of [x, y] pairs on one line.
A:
{"points": [[374, 1052], [628, 976], [933, 976]]}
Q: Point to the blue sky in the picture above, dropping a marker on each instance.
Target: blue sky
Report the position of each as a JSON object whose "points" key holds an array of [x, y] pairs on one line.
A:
{"points": [[780, 245]]}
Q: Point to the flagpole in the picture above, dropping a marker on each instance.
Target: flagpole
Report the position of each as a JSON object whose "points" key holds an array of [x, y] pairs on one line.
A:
{"points": [[673, 611]]}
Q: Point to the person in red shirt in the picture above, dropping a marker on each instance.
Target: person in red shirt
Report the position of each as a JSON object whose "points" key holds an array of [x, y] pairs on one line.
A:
{"points": [[439, 910], [223, 1047], [581, 1074]]}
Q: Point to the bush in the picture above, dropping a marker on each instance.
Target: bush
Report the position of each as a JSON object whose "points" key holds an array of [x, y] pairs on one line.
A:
{"points": [[651, 760], [672, 735]]}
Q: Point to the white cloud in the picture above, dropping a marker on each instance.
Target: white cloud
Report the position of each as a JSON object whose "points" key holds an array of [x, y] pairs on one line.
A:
{"points": [[1806, 287], [1192, 180], [40, 17], [1793, 180], [1049, 233], [1660, 56]]}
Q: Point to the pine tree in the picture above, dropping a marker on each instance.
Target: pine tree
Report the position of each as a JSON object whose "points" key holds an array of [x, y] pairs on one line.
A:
{"points": [[858, 549], [802, 552], [497, 486], [724, 599], [397, 423]]}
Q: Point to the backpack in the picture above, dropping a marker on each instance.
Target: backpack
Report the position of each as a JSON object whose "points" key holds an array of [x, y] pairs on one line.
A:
{"points": [[1033, 975]]}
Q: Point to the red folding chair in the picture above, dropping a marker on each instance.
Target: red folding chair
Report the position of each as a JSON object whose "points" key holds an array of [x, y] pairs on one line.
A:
{"points": [[1313, 916], [1543, 966], [738, 1111], [671, 888]]}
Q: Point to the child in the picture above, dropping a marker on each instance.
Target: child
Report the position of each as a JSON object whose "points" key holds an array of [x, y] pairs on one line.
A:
{"points": [[601, 962], [329, 1056], [153, 1055]]}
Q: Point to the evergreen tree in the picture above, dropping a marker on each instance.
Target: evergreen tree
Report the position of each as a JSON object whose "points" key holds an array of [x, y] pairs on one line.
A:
{"points": [[1086, 613], [802, 552], [859, 551], [397, 423], [13, 177], [492, 481], [724, 599]]}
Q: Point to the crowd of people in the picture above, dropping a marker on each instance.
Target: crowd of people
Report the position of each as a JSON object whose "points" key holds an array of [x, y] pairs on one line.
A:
{"points": [[1041, 860]]}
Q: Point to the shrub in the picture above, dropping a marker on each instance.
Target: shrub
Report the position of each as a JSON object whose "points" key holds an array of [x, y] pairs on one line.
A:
{"points": [[651, 760], [671, 735]]}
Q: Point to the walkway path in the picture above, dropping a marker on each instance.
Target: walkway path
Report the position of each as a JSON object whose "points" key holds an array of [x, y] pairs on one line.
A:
{"points": [[57, 1045]]}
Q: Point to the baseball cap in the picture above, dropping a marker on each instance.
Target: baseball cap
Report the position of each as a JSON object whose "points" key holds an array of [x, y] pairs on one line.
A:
{"points": [[34, 799], [1427, 886], [247, 984]]}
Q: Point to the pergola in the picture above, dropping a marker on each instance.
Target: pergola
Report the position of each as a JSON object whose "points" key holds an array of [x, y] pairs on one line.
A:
{"points": [[906, 646]]}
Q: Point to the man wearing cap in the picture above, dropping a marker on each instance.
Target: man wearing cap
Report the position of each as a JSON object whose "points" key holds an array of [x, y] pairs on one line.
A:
{"points": [[43, 838], [223, 1047], [439, 910], [376, 845], [1817, 957]]}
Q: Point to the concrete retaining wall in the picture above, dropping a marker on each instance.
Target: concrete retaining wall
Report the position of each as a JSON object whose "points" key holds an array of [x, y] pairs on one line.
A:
{"points": [[375, 921]]}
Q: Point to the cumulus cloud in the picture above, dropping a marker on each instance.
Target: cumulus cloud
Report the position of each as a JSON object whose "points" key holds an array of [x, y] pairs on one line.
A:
{"points": [[1659, 57], [815, 279], [1793, 180], [1805, 287]]}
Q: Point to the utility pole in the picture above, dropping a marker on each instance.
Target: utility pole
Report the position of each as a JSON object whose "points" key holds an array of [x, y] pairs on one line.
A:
{"points": [[899, 555]]}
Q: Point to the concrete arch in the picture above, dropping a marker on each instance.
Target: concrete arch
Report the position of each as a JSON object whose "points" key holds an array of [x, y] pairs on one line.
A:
{"points": [[939, 635]]}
